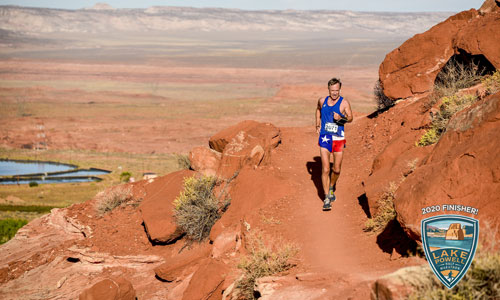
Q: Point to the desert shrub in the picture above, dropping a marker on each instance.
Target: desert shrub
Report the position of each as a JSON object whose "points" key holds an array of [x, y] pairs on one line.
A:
{"points": [[33, 184], [9, 227], [482, 280], [492, 82], [383, 101], [125, 176], [263, 261], [112, 198], [450, 105], [456, 76], [386, 211], [183, 161], [430, 137], [197, 209]]}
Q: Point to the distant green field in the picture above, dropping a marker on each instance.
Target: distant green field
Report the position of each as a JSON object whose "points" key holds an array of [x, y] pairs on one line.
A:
{"points": [[39, 200]]}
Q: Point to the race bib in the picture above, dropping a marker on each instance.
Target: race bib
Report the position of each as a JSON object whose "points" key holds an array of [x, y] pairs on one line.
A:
{"points": [[331, 127]]}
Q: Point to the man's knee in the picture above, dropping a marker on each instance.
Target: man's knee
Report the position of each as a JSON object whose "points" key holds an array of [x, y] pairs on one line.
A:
{"points": [[325, 170], [336, 170]]}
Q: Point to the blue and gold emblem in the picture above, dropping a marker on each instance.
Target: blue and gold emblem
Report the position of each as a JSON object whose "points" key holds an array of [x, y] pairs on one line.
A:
{"points": [[450, 243]]}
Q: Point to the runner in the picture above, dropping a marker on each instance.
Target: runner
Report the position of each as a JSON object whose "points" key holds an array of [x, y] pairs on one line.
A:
{"points": [[332, 113]]}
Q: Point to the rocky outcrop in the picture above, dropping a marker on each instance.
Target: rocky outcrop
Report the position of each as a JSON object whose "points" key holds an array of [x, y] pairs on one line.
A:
{"points": [[248, 143], [204, 160], [157, 208], [462, 168], [117, 288], [490, 6], [455, 232], [400, 284], [411, 69]]}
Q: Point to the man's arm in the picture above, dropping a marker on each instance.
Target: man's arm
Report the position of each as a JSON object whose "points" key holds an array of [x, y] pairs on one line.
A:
{"points": [[318, 116], [346, 111]]}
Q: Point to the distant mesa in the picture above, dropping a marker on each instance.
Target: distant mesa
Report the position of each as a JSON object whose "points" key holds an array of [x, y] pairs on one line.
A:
{"points": [[102, 6], [455, 232]]}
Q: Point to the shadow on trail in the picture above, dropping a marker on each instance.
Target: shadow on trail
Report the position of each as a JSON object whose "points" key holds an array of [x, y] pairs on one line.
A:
{"points": [[314, 169], [363, 202], [394, 238]]}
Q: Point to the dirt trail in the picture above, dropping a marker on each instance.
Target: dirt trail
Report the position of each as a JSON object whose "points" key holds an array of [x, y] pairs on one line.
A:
{"points": [[333, 242]]}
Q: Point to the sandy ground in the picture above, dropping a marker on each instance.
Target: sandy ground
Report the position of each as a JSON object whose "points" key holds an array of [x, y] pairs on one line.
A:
{"points": [[156, 109]]}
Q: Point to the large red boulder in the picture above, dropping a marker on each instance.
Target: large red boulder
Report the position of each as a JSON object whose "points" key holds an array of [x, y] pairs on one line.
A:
{"points": [[412, 68], [207, 281], [157, 208], [463, 168], [117, 288], [490, 6], [248, 143], [204, 160]]}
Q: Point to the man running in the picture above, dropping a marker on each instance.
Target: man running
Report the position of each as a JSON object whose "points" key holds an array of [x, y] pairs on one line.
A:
{"points": [[332, 113]]}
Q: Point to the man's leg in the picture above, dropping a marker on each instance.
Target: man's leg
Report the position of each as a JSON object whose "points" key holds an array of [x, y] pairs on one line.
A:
{"points": [[337, 164], [325, 168]]}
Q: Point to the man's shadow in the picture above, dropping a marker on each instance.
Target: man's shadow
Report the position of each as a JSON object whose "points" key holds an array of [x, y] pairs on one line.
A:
{"points": [[314, 169]]}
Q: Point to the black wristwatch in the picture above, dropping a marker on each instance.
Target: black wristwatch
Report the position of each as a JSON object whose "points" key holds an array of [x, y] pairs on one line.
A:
{"points": [[341, 121]]}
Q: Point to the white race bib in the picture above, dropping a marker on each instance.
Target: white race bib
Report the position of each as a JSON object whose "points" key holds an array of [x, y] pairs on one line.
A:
{"points": [[331, 127]]}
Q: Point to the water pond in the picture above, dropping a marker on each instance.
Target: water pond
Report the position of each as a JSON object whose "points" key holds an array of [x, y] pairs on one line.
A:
{"points": [[24, 172]]}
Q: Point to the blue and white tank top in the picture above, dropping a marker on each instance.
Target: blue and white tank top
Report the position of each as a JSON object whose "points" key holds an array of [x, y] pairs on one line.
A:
{"points": [[328, 125]]}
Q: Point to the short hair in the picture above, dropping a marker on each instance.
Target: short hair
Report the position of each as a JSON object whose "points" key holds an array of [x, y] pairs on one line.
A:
{"points": [[334, 81]]}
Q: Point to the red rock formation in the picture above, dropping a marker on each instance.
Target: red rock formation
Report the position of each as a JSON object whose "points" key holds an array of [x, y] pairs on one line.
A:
{"points": [[412, 68], [204, 160], [463, 168], [117, 288], [247, 143], [490, 6], [157, 208]]}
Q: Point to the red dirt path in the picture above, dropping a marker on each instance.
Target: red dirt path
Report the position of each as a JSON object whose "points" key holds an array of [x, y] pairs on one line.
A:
{"points": [[333, 243]]}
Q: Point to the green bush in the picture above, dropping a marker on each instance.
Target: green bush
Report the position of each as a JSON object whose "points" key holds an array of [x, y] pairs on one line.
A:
{"points": [[262, 261], [33, 184], [430, 137], [386, 211], [450, 105], [9, 227], [125, 176], [196, 208], [492, 82]]}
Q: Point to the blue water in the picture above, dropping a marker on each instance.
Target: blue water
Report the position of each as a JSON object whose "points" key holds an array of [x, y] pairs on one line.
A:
{"points": [[9, 167], [82, 173], [441, 242], [12, 168], [61, 180]]}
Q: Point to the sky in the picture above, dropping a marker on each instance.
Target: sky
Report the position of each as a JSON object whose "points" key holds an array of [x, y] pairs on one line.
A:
{"points": [[355, 5]]}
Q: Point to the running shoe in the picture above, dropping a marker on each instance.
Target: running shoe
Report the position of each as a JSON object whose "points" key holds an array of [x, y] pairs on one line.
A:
{"points": [[326, 204]]}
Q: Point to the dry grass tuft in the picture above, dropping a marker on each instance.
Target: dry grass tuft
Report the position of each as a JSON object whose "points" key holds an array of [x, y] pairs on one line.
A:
{"points": [[382, 100], [197, 209], [263, 261], [114, 197], [492, 82], [183, 161], [448, 108], [386, 211]]}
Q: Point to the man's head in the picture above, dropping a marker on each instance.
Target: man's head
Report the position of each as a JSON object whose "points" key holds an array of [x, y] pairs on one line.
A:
{"points": [[334, 86]]}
